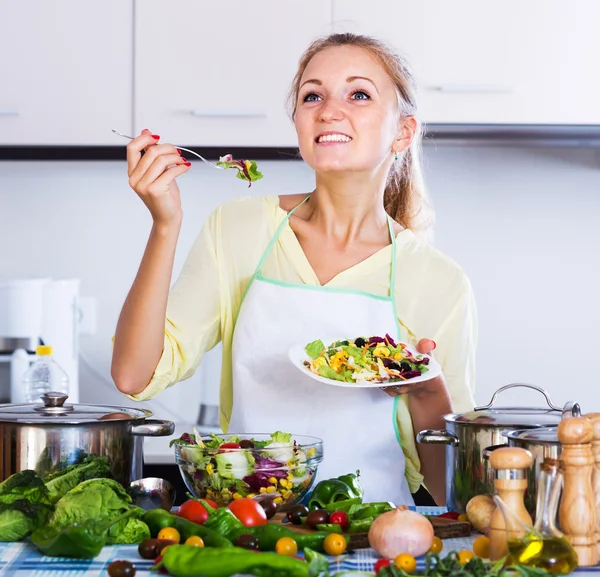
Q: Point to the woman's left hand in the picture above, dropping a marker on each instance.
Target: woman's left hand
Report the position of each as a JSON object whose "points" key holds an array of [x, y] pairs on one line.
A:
{"points": [[426, 347]]}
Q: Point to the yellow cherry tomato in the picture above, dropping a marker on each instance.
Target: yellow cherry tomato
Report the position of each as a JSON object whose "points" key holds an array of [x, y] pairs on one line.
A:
{"points": [[194, 541], [463, 518], [334, 544], [436, 546], [169, 534], [465, 556], [286, 546], [406, 562], [481, 547]]}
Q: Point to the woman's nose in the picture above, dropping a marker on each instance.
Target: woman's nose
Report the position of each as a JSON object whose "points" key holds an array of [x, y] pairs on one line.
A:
{"points": [[331, 110]]}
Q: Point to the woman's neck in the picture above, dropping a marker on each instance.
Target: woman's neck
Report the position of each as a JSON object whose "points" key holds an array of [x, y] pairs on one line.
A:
{"points": [[347, 208]]}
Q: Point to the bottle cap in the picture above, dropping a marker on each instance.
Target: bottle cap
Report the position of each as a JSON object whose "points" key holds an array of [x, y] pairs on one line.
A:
{"points": [[43, 350]]}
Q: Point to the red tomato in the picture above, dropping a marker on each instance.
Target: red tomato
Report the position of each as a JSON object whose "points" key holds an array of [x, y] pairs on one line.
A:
{"points": [[339, 518], [449, 515], [381, 563], [248, 511], [229, 446], [194, 511]]}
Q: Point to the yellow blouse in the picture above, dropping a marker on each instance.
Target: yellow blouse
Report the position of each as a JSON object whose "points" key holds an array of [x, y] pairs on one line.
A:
{"points": [[433, 300]]}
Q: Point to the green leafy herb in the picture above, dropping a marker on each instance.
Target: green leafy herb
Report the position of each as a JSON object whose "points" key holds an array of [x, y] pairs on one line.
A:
{"points": [[246, 169], [314, 349]]}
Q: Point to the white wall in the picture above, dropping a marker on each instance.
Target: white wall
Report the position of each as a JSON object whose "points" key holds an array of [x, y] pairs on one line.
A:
{"points": [[522, 222]]}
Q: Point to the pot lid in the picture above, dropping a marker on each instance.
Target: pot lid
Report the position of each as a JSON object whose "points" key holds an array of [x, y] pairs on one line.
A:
{"points": [[54, 410], [517, 417], [544, 435]]}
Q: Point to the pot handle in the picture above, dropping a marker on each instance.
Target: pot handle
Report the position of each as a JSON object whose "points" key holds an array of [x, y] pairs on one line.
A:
{"points": [[433, 437], [486, 453], [153, 428], [534, 387]]}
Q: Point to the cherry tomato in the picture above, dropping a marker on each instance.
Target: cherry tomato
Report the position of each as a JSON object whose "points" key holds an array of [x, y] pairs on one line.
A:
{"points": [[193, 511], [194, 541], [248, 511], [381, 563], [334, 544], [436, 546], [339, 518], [406, 562], [481, 547], [226, 447], [169, 534], [465, 556], [286, 546]]}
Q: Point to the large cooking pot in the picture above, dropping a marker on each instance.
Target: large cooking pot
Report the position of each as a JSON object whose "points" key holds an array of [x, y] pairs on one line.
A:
{"points": [[471, 436], [542, 443], [52, 435]]}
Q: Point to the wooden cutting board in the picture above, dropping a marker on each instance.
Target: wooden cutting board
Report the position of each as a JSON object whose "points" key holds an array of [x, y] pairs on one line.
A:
{"points": [[442, 528]]}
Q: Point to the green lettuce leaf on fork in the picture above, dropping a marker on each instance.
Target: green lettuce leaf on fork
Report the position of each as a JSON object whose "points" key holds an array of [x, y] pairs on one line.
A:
{"points": [[246, 169]]}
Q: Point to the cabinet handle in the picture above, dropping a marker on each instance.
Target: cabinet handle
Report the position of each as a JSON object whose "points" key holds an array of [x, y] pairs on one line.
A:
{"points": [[475, 88], [9, 112], [228, 112]]}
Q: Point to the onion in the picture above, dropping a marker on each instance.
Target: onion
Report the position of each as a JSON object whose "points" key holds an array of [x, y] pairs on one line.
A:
{"points": [[401, 531]]}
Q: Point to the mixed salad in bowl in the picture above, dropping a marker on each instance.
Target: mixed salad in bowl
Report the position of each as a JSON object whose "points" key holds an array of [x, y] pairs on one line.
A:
{"points": [[375, 359], [228, 467]]}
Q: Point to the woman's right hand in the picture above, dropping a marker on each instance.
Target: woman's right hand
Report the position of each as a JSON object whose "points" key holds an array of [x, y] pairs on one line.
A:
{"points": [[152, 180]]}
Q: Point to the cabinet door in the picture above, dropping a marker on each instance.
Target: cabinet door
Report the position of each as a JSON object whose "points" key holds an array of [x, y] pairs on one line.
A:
{"points": [[65, 71], [509, 62], [216, 74]]}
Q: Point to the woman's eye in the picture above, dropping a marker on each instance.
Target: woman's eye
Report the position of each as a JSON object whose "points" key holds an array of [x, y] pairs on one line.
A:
{"points": [[311, 97], [360, 95]]}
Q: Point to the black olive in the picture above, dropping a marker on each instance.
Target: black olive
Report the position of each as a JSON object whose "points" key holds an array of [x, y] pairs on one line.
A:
{"points": [[147, 549], [246, 541], [269, 507], [317, 517], [404, 366], [247, 444], [121, 569], [360, 342], [296, 513]]}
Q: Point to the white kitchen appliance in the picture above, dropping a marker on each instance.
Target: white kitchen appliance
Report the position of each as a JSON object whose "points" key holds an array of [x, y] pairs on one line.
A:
{"points": [[38, 311]]}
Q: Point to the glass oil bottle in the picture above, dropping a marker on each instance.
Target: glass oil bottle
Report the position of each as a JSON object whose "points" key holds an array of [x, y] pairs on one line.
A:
{"points": [[543, 546]]}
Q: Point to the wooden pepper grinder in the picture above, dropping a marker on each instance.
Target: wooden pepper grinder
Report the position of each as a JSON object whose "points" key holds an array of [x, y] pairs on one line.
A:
{"points": [[577, 511], [595, 420], [511, 466]]}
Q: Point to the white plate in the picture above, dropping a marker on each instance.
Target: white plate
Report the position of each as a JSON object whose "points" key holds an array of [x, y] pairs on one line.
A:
{"points": [[298, 355]]}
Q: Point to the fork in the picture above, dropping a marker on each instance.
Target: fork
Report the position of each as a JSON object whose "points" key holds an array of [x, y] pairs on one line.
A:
{"points": [[180, 148]]}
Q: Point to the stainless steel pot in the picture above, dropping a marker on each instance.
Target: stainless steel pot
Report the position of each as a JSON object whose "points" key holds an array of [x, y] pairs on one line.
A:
{"points": [[53, 435], [471, 436], [543, 444]]}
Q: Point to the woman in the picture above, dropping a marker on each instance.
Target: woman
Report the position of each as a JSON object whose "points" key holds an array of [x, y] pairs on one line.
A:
{"points": [[343, 260]]}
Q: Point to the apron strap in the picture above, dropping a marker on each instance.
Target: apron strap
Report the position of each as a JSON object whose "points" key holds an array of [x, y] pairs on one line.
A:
{"points": [[276, 236], [393, 280]]}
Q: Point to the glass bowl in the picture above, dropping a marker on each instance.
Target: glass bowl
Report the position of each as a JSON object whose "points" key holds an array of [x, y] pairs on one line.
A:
{"points": [[283, 471]]}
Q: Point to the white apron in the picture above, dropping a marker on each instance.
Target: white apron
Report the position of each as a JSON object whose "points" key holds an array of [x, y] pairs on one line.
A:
{"points": [[358, 426]]}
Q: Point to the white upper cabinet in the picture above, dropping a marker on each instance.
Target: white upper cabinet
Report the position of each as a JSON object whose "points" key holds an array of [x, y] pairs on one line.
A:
{"points": [[217, 74], [65, 71], [510, 62]]}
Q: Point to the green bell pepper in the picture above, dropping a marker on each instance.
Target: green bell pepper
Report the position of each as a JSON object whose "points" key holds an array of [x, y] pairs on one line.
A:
{"points": [[223, 522], [343, 505], [158, 519], [328, 492], [351, 479], [183, 561]]}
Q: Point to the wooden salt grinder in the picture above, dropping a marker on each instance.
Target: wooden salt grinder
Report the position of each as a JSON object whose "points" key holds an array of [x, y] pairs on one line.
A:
{"points": [[511, 465], [595, 420], [577, 511]]}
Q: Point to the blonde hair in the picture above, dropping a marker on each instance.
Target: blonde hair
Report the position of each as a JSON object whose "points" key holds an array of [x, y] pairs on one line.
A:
{"points": [[405, 198]]}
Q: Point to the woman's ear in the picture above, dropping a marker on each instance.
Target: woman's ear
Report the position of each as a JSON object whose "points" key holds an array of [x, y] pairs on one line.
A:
{"points": [[408, 129]]}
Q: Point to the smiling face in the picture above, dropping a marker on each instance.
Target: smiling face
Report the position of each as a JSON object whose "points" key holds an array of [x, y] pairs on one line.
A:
{"points": [[347, 115]]}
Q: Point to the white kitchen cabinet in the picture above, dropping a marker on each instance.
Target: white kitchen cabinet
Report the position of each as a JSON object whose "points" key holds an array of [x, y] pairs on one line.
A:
{"points": [[216, 74], [65, 71], [509, 62]]}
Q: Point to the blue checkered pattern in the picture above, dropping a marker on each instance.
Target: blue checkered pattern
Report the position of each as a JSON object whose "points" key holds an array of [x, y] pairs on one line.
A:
{"points": [[23, 560]]}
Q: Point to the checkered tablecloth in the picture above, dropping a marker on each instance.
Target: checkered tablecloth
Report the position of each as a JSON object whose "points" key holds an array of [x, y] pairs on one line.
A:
{"points": [[22, 559]]}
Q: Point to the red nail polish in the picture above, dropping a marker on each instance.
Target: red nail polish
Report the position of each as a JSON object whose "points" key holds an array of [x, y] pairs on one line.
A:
{"points": [[144, 130], [156, 137], [184, 159], [179, 151], [434, 345], [188, 163]]}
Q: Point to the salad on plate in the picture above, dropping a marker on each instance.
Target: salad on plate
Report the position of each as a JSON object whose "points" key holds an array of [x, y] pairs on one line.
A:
{"points": [[228, 467], [371, 359]]}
